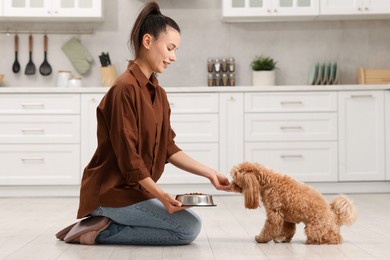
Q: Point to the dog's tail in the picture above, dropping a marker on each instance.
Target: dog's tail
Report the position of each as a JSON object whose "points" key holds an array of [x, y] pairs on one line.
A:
{"points": [[344, 210]]}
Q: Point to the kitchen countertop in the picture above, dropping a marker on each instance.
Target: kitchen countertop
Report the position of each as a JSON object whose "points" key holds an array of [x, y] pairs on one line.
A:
{"points": [[203, 89]]}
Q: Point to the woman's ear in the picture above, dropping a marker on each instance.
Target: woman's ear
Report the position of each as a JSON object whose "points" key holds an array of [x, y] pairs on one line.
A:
{"points": [[250, 189], [147, 41]]}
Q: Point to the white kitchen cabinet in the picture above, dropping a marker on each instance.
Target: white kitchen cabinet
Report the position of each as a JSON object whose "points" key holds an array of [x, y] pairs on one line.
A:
{"points": [[263, 10], [231, 134], [305, 161], [89, 103], [53, 9], [387, 131], [294, 133], [354, 7], [40, 139], [361, 136]]}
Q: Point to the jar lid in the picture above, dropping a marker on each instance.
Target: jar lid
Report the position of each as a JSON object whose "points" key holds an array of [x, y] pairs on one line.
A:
{"points": [[64, 71]]}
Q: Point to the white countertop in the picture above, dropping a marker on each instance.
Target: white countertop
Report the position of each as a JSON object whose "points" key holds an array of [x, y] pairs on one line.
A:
{"points": [[203, 89]]}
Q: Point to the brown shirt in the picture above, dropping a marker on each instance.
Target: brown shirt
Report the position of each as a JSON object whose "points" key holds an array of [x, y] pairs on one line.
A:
{"points": [[135, 140]]}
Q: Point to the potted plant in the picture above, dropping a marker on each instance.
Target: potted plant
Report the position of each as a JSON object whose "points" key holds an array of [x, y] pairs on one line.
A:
{"points": [[263, 71]]}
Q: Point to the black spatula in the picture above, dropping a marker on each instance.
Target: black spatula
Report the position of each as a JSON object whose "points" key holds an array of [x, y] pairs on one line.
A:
{"points": [[16, 65], [30, 68], [45, 68]]}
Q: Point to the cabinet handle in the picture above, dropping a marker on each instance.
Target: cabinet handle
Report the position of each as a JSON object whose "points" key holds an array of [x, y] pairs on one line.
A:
{"points": [[32, 159], [362, 96], [291, 128], [232, 98], [33, 131], [291, 156], [285, 103], [171, 104], [33, 105]]}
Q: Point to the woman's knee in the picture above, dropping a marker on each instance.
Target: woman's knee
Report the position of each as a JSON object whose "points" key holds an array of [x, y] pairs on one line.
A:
{"points": [[193, 227]]}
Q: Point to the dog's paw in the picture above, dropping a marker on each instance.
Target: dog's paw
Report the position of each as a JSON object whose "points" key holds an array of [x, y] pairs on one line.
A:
{"points": [[260, 239]]}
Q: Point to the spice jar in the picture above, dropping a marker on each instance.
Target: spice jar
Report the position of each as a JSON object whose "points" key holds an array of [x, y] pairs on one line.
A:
{"points": [[217, 79], [231, 65], [74, 82], [210, 65], [210, 80], [224, 65], [232, 80], [217, 65], [224, 79]]}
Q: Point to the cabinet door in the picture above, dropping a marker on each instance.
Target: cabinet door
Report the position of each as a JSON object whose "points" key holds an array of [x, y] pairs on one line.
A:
{"points": [[53, 8], [361, 136], [89, 103], [296, 7], [48, 164], [231, 132], [27, 8], [252, 10], [387, 128], [245, 8], [376, 6], [304, 161], [337, 7], [77, 8]]}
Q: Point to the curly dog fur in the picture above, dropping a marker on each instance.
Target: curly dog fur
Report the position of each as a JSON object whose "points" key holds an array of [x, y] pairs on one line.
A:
{"points": [[288, 202]]}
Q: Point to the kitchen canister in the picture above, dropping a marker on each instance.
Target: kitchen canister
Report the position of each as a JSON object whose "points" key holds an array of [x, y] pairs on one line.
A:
{"points": [[63, 78], [74, 82]]}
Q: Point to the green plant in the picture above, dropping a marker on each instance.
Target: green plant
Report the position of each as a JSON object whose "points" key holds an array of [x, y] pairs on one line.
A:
{"points": [[263, 63]]}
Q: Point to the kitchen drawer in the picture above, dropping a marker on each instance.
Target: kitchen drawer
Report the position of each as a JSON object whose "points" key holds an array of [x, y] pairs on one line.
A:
{"points": [[291, 102], [291, 127], [207, 153], [39, 104], [304, 161], [193, 103], [195, 127], [39, 129], [39, 164]]}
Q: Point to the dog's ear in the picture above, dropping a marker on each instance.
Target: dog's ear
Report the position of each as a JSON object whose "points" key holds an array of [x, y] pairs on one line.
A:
{"points": [[251, 191]]}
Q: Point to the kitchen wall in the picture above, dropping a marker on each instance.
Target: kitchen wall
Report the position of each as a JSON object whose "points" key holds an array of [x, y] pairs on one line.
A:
{"points": [[295, 45]]}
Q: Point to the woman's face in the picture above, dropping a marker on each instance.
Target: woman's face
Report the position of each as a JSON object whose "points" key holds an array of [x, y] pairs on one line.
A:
{"points": [[161, 52]]}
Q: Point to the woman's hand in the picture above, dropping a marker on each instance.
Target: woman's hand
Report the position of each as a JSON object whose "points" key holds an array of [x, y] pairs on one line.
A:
{"points": [[220, 181], [171, 204], [167, 200]]}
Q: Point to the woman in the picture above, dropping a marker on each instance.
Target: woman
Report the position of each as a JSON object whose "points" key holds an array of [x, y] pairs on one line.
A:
{"points": [[118, 192]]}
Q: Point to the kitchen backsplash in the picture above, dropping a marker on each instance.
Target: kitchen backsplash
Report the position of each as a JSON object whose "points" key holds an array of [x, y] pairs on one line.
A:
{"points": [[295, 45]]}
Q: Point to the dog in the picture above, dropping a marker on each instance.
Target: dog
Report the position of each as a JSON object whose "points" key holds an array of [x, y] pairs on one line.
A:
{"points": [[288, 202]]}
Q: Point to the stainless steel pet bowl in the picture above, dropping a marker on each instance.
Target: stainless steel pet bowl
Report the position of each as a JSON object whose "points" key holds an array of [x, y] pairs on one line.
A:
{"points": [[196, 200]]}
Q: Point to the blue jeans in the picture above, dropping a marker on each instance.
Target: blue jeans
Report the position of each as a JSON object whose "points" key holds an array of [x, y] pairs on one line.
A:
{"points": [[148, 223]]}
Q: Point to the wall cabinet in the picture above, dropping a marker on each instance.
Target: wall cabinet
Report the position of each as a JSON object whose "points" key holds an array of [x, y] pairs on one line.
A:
{"points": [[53, 9], [354, 7], [361, 136], [249, 10]]}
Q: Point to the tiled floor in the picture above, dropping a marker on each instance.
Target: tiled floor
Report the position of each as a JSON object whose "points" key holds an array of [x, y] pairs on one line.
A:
{"points": [[28, 226]]}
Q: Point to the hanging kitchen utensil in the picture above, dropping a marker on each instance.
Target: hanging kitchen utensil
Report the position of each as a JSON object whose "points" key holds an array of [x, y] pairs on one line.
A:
{"points": [[30, 68], [16, 65], [45, 68]]}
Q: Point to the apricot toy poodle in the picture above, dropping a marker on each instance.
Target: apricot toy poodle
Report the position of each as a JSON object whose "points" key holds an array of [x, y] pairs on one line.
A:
{"points": [[288, 202]]}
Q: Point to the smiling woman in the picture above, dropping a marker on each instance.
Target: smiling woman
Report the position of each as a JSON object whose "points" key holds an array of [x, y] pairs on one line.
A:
{"points": [[119, 195]]}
